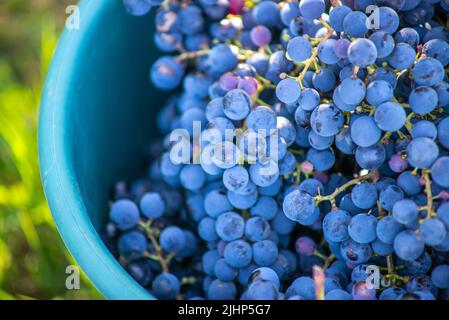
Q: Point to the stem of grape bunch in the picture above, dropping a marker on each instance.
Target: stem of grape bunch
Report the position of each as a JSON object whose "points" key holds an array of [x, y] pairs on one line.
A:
{"points": [[314, 55], [428, 192], [408, 124], [265, 82], [192, 55], [353, 182], [391, 275], [188, 280], [158, 255], [390, 264]]}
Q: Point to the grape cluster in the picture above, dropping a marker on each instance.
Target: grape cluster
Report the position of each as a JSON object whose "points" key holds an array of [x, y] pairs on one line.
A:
{"points": [[339, 165]]}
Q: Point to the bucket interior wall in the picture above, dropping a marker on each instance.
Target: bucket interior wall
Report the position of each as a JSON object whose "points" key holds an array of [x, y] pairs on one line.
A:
{"points": [[112, 106], [95, 121]]}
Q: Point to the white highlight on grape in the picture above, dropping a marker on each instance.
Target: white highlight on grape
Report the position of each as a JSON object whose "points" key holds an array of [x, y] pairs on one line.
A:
{"points": [[210, 147]]}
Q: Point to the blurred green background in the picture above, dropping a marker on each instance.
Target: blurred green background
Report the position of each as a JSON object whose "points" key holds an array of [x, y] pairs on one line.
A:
{"points": [[33, 258]]}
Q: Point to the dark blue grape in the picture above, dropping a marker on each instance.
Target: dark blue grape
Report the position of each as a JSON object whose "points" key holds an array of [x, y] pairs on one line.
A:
{"points": [[312, 9], [335, 225], [303, 287], [432, 231], [352, 91], [402, 56], [322, 160], [299, 49], [364, 195], [299, 206], [356, 24], [236, 104], [220, 290], [238, 254], [409, 183], [440, 276], [137, 7], [371, 158], [224, 272], [389, 196], [125, 214], [337, 16], [222, 59], [206, 229], [428, 72], [388, 18], [166, 73], [425, 129], [230, 226], [266, 13], [262, 290], [326, 120], [355, 253], [166, 286], [364, 132], [362, 228], [132, 245], [405, 211], [288, 90], [257, 229], [408, 246], [407, 35], [172, 239], [423, 100], [324, 80], [387, 229], [440, 173], [265, 253], [437, 49], [422, 152], [326, 52]]}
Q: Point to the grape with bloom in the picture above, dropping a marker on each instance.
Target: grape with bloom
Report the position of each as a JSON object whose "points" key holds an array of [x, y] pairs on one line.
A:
{"points": [[338, 157]]}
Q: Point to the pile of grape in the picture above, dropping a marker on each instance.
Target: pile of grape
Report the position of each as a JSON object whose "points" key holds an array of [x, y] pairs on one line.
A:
{"points": [[338, 171]]}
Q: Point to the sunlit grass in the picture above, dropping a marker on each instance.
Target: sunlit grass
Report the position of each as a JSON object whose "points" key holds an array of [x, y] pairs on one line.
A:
{"points": [[33, 258]]}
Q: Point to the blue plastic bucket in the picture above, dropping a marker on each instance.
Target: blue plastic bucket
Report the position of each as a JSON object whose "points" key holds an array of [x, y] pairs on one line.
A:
{"points": [[97, 112]]}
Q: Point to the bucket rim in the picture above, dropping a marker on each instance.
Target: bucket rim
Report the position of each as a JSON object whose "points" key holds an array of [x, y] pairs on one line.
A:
{"points": [[57, 175]]}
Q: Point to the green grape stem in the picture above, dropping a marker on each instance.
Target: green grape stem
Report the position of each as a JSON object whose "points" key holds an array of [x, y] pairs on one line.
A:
{"points": [[401, 135], [188, 281], [428, 192], [390, 264], [328, 261], [408, 123], [297, 174], [386, 137], [311, 60], [261, 102], [159, 256], [394, 278], [380, 210], [265, 82], [333, 195], [192, 55], [319, 255], [296, 151], [391, 271]]}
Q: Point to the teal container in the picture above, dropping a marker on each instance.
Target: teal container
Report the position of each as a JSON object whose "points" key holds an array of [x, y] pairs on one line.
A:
{"points": [[98, 111]]}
